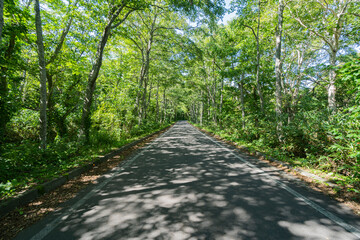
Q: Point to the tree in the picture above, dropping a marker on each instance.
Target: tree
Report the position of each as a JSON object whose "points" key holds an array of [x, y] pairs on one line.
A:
{"points": [[329, 26], [1, 17], [42, 68], [123, 9], [278, 66], [247, 19]]}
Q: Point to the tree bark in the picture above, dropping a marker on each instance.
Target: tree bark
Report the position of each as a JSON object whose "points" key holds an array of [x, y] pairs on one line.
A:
{"points": [[145, 70], [202, 109], [258, 56], [148, 100], [41, 56], [164, 106], [332, 87], [1, 17], [278, 69], [94, 73], [214, 104], [157, 101], [221, 95], [61, 41], [332, 39], [241, 87]]}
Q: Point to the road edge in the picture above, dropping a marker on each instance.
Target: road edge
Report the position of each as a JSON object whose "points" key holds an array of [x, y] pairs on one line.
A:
{"points": [[311, 180], [8, 205]]}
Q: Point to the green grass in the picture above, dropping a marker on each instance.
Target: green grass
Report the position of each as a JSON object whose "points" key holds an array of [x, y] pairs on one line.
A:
{"points": [[24, 165]]}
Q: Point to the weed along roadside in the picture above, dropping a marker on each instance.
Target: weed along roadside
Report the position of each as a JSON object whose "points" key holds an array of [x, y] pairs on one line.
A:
{"points": [[30, 206]]}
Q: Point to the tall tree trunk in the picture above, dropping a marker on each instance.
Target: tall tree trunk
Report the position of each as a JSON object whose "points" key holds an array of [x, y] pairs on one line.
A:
{"points": [[1, 17], [86, 123], [140, 90], [148, 100], [164, 105], [332, 87], [332, 39], [214, 96], [42, 63], [258, 56], [144, 72], [23, 87], [221, 95], [94, 73], [208, 108], [4, 112], [4, 89], [143, 100], [278, 69], [202, 108], [143, 82], [241, 87], [157, 101]]}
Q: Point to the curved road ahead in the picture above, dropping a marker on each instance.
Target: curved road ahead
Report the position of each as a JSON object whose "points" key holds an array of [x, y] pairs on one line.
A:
{"points": [[185, 185]]}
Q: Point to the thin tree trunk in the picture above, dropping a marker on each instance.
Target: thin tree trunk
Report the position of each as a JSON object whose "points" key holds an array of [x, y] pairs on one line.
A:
{"points": [[94, 73], [143, 100], [202, 108], [157, 101], [92, 83], [61, 41], [258, 86], [214, 96], [1, 17], [4, 89], [41, 56], [241, 87], [278, 69], [148, 101], [209, 113], [164, 105], [4, 113], [332, 87], [221, 95], [23, 87]]}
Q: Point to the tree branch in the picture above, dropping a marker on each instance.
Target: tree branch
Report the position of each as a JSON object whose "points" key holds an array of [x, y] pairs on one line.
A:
{"points": [[61, 41], [312, 30], [123, 19], [252, 29]]}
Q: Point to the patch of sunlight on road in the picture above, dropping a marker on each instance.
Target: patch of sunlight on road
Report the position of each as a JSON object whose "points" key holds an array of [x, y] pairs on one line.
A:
{"points": [[184, 180], [314, 230]]}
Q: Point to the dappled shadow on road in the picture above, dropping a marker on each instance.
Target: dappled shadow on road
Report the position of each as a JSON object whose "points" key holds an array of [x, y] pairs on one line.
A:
{"points": [[186, 187]]}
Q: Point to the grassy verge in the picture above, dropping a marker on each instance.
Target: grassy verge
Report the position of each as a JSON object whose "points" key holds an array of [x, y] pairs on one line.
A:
{"points": [[24, 165]]}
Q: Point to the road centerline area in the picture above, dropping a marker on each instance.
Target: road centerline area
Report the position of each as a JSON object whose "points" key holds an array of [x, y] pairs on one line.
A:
{"points": [[186, 185]]}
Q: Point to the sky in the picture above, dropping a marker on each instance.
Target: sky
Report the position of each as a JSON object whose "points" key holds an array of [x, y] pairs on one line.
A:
{"points": [[228, 16]]}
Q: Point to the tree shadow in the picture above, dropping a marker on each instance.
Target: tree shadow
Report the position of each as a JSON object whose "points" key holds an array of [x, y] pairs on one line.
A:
{"points": [[186, 187]]}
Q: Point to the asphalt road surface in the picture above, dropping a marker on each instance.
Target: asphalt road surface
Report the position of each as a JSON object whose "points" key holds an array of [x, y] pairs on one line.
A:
{"points": [[186, 185]]}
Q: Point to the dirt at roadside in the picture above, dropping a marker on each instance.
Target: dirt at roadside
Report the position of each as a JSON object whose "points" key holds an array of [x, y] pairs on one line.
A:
{"points": [[21, 218]]}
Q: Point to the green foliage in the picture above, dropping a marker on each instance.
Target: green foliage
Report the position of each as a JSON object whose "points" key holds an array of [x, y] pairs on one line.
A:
{"points": [[26, 165], [156, 69]]}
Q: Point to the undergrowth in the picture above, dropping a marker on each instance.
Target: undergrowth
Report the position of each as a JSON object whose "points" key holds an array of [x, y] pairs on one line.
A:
{"points": [[24, 165]]}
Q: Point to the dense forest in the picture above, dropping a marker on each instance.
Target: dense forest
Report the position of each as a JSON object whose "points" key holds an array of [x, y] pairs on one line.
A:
{"points": [[80, 77]]}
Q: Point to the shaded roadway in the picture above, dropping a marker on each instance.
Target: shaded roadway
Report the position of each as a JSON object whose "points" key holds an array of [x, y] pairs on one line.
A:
{"points": [[188, 186]]}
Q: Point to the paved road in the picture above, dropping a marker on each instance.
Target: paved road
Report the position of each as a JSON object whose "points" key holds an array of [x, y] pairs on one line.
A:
{"points": [[185, 185]]}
